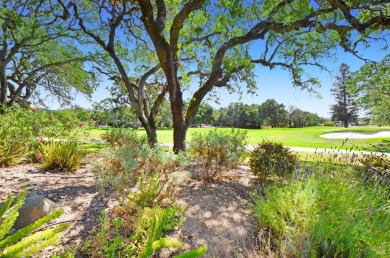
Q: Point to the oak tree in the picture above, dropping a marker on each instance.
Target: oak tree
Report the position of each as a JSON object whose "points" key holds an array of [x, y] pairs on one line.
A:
{"points": [[39, 52], [371, 84], [214, 44], [114, 27], [210, 40]]}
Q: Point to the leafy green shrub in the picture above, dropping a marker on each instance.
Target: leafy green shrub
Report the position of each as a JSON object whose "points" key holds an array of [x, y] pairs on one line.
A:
{"points": [[21, 129], [326, 215], [376, 168], [270, 159], [66, 155], [16, 136], [217, 150], [25, 242], [120, 137]]}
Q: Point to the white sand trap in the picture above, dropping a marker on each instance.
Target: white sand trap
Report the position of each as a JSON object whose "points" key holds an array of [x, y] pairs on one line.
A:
{"points": [[356, 135]]}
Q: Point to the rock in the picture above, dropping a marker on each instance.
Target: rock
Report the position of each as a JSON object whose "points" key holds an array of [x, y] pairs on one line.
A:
{"points": [[34, 208]]}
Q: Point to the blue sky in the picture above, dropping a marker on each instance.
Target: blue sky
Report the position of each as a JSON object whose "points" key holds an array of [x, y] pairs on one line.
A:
{"points": [[276, 84]]}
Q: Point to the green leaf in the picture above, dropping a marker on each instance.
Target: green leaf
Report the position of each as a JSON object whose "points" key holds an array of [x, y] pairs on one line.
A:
{"points": [[12, 214], [6, 205], [166, 243], [193, 253]]}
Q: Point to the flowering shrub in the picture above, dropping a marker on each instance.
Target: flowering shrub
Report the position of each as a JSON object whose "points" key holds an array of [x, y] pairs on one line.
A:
{"points": [[21, 130]]}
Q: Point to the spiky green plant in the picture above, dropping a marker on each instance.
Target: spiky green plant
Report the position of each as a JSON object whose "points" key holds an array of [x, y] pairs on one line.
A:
{"points": [[198, 252], [25, 241], [65, 155]]}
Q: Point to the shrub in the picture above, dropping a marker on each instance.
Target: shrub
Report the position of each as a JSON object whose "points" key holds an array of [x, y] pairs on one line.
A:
{"points": [[217, 150], [329, 123], [16, 136], [121, 167], [25, 242], [376, 168], [144, 180], [66, 155], [20, 130], [120, 136], [151, 190], [270, 160], [326, 215], [13, 149], [132, 231]]}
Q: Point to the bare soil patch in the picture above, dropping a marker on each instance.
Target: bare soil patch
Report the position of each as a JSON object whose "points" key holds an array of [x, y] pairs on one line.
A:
{"points": [[217, 213]]}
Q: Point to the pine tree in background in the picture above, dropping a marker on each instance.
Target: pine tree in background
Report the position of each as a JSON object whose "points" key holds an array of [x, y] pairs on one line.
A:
{"points": [[345, 109]]}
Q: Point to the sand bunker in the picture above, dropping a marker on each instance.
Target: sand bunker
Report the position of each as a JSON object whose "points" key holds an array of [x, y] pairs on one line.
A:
{"points": [[356, 135]]}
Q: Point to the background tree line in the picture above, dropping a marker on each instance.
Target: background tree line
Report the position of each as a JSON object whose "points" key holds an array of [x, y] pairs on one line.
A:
{"points": [[254, 116], [239, 115]]}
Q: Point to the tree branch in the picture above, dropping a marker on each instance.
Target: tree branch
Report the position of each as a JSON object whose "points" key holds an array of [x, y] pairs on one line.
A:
{"points": [[179, 20], [161, 14]]}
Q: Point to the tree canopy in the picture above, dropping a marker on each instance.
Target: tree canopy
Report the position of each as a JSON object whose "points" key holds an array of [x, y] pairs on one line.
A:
{"points": [[371, 84], [38, 50], [212, 44], [114, 27], [269, 113], [209, 41]]}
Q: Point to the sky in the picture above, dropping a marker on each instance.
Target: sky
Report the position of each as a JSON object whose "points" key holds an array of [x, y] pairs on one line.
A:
{"points": [[276, 84]]}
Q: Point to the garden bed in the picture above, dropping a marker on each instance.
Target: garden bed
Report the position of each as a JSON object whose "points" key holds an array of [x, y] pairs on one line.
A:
{"points": [[217, 214]]}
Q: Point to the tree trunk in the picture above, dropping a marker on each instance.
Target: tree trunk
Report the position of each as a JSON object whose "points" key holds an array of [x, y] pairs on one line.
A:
{"points": [[151, 130], [179, 136], [152, 135], [179, 125], [3, 86]]}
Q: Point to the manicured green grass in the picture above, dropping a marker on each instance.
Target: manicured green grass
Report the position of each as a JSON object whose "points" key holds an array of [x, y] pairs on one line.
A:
{"points": [[310, 137], [93, 147], [295, 137]]}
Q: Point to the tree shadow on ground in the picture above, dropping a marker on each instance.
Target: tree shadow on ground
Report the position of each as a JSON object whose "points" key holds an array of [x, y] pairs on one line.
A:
{"points": [[75, 192], [218, 215]]}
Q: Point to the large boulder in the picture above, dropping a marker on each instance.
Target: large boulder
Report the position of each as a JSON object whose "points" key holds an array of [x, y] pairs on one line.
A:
{"points": [[34, 208]]}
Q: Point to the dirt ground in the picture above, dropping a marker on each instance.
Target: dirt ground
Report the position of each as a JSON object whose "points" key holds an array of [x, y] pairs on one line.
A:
{"points": [[217, 214]]}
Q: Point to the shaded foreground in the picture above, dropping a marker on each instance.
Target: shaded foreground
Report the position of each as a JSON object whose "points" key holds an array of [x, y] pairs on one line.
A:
{"points": [[217, 214]]}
